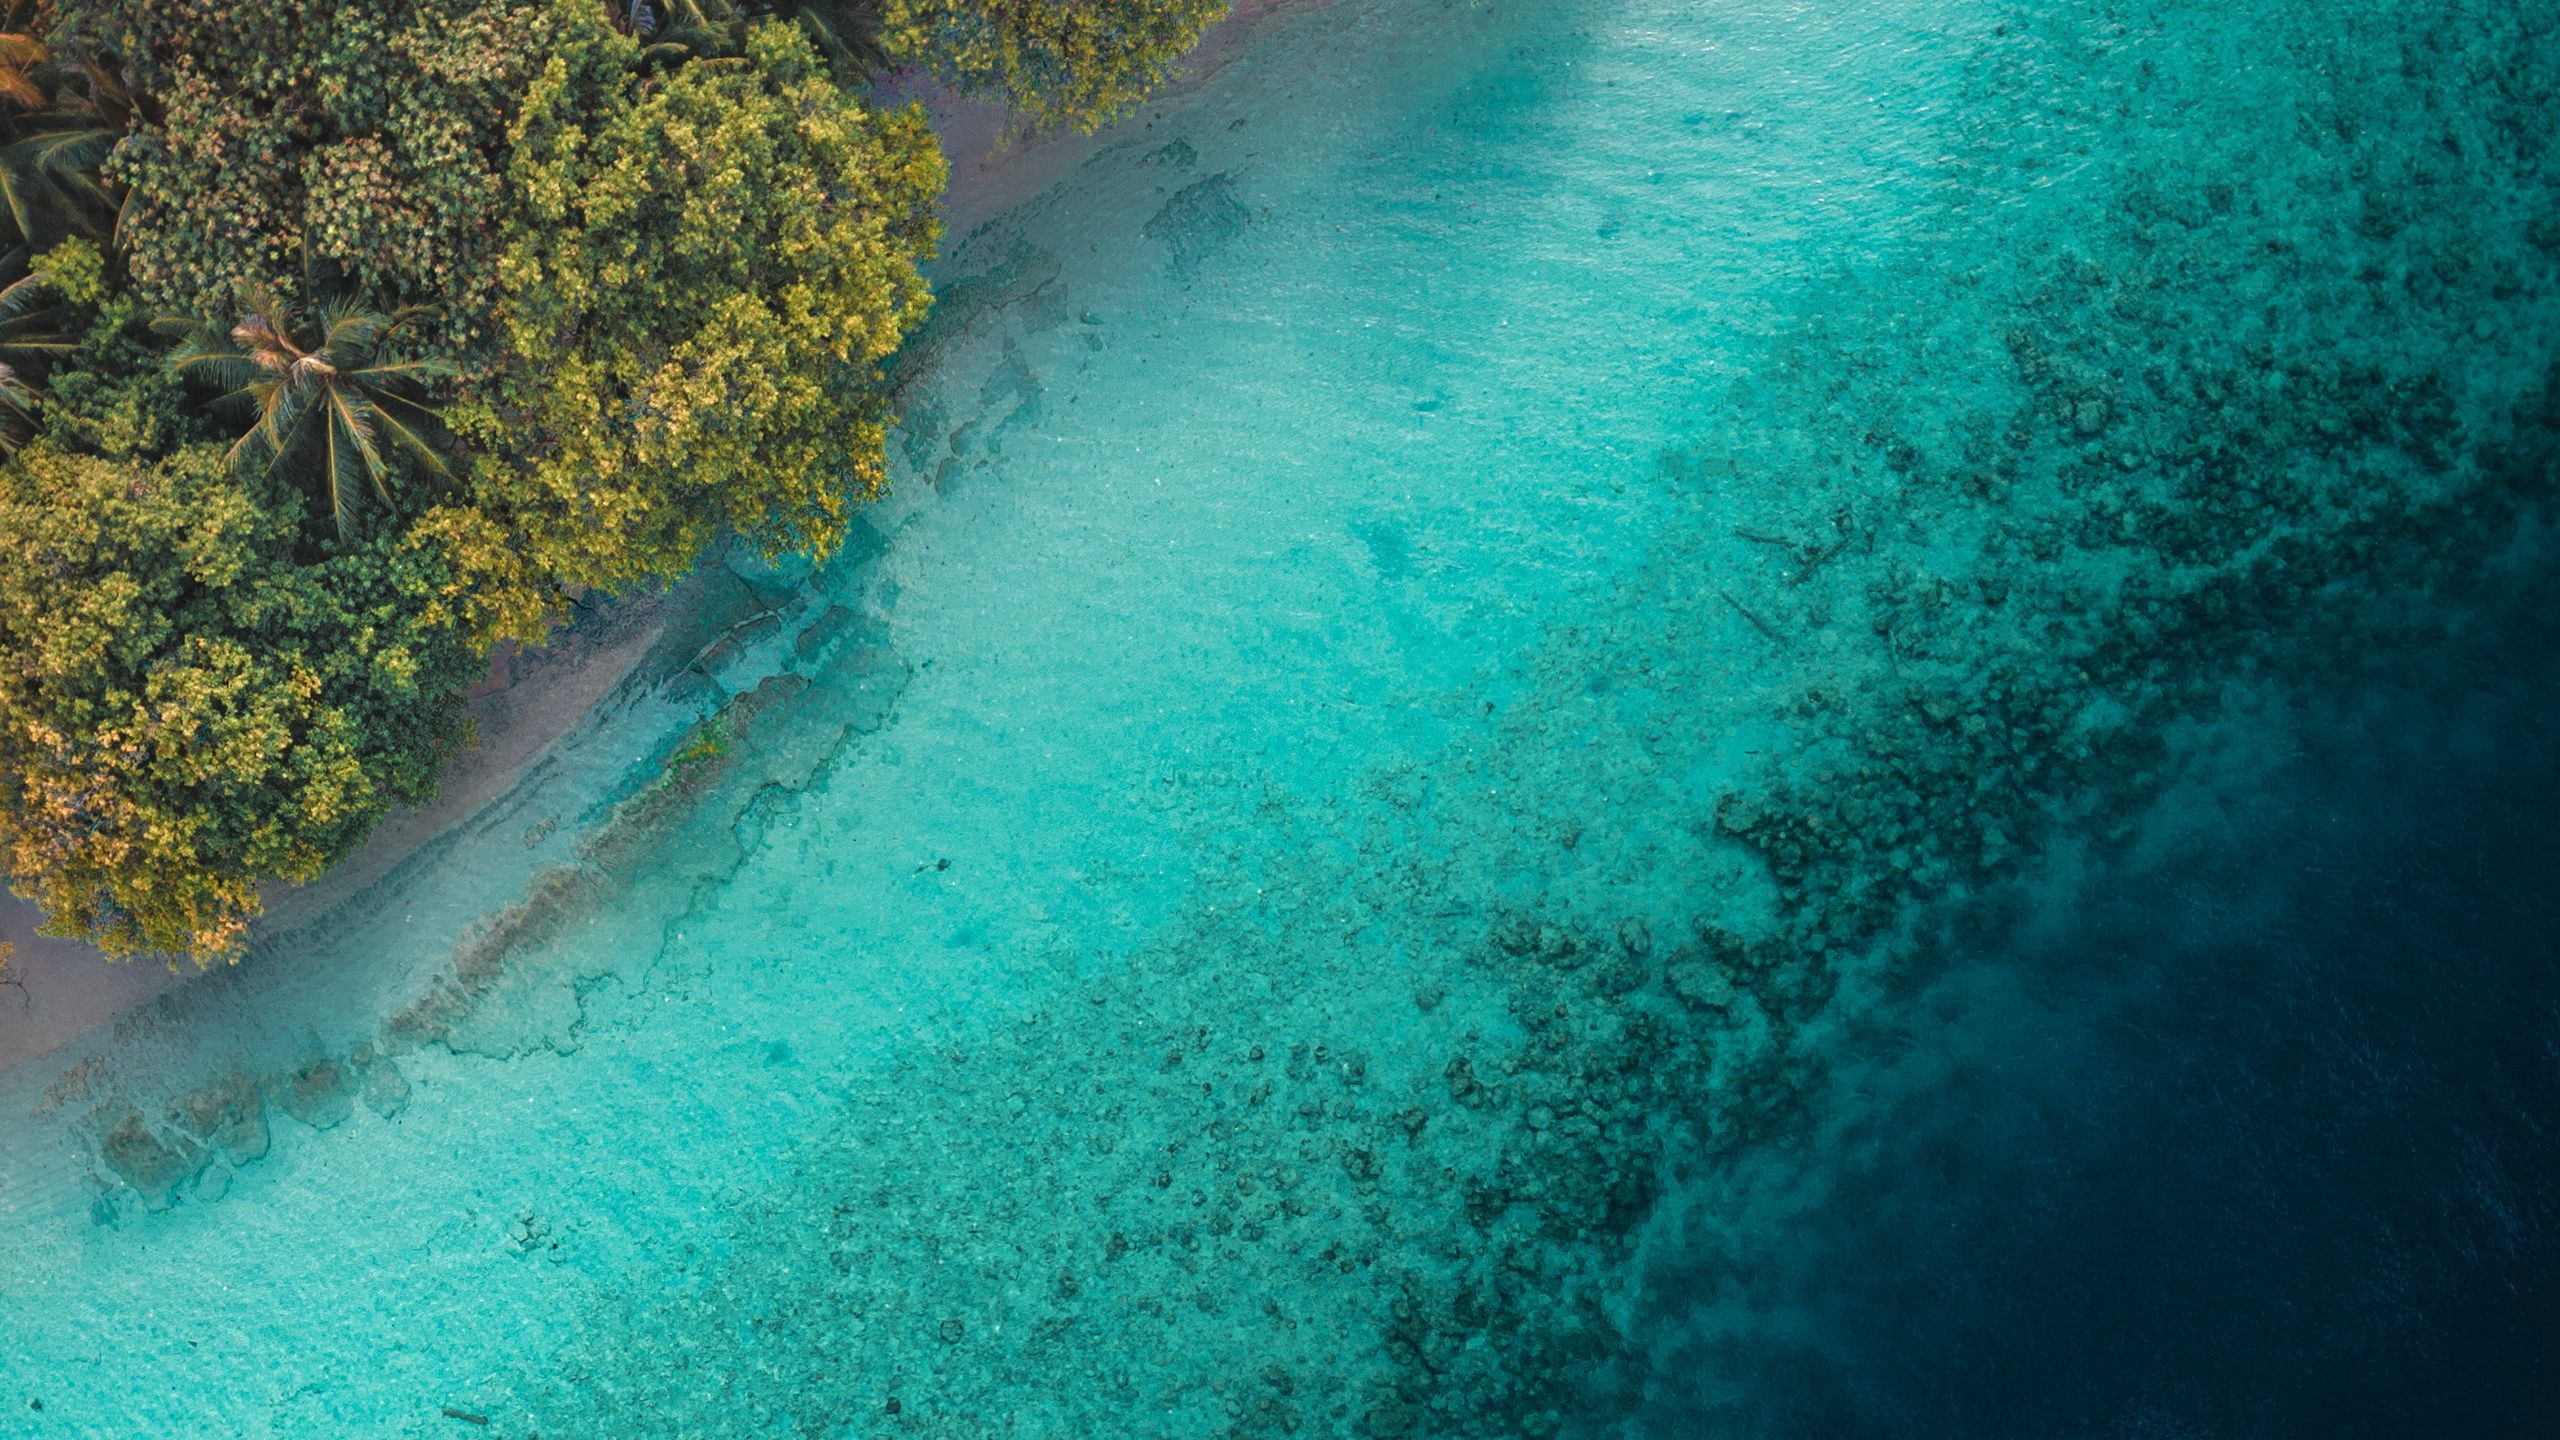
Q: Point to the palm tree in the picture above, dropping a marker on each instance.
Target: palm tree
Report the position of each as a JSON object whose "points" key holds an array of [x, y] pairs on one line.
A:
{"points": [[25, 72], [672, 32], [339, 413], [847, 32], [58, 120], [66, 147], [21, 55], [59, 116], [32, 337], [18, 402]]}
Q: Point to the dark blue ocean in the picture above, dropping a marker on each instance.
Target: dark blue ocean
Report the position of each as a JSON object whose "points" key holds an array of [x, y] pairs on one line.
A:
{"points": [[2254, 1131]]}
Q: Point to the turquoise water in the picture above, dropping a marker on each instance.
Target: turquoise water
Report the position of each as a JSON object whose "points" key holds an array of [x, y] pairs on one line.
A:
{"points": [[1614, 716]]}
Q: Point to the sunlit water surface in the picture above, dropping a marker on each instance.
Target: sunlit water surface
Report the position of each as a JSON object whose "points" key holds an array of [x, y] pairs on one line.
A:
{"points": [[1617, 716]]}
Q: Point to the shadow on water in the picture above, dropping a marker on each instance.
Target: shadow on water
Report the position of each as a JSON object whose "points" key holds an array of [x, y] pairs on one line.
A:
{"points": [[2254, 1135]]}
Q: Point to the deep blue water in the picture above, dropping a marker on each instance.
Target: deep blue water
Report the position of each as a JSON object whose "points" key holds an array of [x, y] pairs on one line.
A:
{"points": [[2254, 1132]]}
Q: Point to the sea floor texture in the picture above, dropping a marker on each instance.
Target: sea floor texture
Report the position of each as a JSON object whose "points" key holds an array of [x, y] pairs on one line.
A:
{"points": [[1605, 717]]}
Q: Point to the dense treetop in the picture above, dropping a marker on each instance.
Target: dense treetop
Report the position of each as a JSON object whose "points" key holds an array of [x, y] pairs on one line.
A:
{"points": [[189, 709], [1079, 62], [697, 284], [339, 339]]}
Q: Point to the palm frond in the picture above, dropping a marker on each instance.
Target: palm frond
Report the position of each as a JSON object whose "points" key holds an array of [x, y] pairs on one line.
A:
{"points": [[350, 421], [847, 32], [400, 321], [115, 226], [410, 434], [26, 295], [338, 477], [62, 154], [18, 403], [208, 358], [36, 348], [282, 409], [252, 450], [24, 196], [349, 334], [266, 318], [93, 90], [21, 53]]}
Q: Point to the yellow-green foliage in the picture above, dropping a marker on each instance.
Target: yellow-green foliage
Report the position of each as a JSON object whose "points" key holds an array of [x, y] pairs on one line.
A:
{"points": [[75, 269], [701, 274], [1075, 62], [186, 711]]}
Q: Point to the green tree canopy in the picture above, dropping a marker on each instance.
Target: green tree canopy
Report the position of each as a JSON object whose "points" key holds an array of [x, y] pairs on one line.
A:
{"points": [[358, 133], [1073, 62], [187, 711], [701, 273]]}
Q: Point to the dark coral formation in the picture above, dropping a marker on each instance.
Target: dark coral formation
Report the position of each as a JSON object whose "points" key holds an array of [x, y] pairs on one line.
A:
{"points": [[2175, 494]]}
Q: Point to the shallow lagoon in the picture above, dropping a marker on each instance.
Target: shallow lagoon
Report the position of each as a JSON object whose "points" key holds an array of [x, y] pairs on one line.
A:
{"points": [[1604, 716]]}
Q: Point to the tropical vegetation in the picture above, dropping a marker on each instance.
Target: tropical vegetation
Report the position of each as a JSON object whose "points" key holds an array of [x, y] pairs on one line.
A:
{"points": [[340, 340]]}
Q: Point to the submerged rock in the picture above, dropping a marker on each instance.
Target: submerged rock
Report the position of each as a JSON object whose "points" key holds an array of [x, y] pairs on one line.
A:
{"points": [[386, 1090], [229, 1114], [153, 1164], [1700, 980], [318, 1095], [1198, 222]]}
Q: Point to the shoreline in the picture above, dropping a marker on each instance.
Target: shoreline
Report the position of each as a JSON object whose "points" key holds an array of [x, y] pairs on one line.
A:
{"points": [[55, 993], [64, 990]]}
